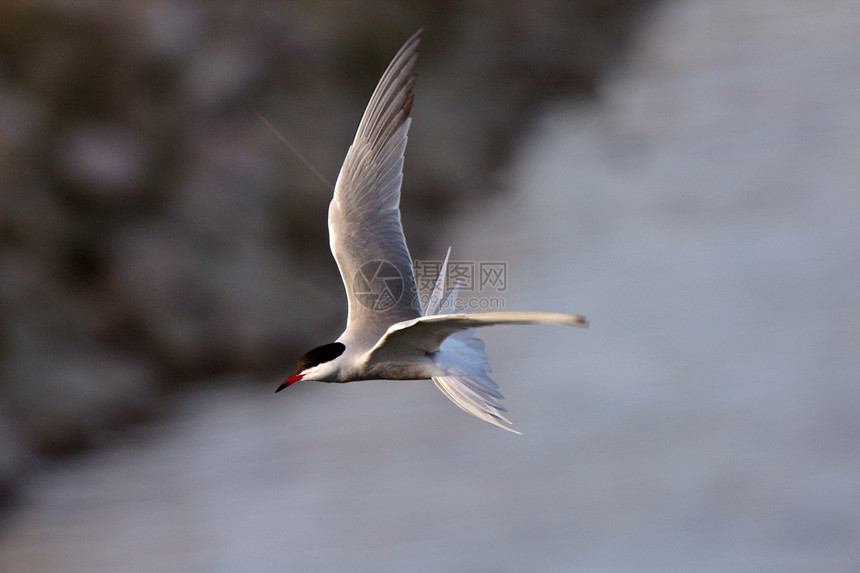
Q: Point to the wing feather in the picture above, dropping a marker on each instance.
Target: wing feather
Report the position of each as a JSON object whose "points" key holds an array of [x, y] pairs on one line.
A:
{"points": [[364, 214], [426, 334]]}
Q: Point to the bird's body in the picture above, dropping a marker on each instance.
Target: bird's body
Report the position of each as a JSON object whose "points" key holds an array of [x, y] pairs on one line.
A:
{"points": [[388, 334]]}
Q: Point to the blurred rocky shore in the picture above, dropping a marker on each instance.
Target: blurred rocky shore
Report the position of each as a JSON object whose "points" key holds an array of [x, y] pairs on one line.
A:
{"points": [[155, 225]]}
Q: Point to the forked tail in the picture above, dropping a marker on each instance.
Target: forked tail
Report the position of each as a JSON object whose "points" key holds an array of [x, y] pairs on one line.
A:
{"points": [[460, 355], [472, 389]]}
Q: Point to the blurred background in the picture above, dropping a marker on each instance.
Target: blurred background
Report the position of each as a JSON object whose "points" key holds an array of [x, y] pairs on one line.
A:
{"points": [[684, 173]]}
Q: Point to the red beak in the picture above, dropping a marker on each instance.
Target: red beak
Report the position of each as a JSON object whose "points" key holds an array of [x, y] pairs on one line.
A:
{"points": [[290, 380]]}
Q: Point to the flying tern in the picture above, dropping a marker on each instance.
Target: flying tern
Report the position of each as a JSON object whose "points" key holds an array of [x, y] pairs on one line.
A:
{"points": [[389, 335]]}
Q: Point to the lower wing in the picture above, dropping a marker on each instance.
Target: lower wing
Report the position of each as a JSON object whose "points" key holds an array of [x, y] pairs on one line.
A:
{"points": [[425, 334]]}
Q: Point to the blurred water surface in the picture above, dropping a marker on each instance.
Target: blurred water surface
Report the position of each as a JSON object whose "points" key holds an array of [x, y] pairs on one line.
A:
{"points": [[703, 214]]}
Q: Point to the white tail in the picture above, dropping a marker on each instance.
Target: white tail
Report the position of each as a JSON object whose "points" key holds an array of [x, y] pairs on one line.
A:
{"points": [[448, 332], [474, 392]]}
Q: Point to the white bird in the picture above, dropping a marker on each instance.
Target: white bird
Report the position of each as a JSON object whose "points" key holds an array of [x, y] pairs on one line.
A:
{"points": [[388, 335]]}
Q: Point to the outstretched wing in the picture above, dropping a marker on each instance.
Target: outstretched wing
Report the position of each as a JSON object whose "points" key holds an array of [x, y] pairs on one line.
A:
{"points": [[365, 232], [425, 334], [464, 367]]}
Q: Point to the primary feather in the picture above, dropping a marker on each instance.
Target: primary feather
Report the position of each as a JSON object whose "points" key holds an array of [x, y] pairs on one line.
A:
{"points": [[364, 214]]}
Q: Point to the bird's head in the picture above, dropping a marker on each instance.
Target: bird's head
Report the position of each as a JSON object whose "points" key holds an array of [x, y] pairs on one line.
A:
{"points": [[321, 364]]}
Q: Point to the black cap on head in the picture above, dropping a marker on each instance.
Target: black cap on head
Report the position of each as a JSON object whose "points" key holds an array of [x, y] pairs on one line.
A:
{"points": [[319, 355]]}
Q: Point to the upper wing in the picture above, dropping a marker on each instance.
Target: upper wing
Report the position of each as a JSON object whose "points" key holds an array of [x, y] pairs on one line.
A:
{"points": [[365, 232], [425, 334]]}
